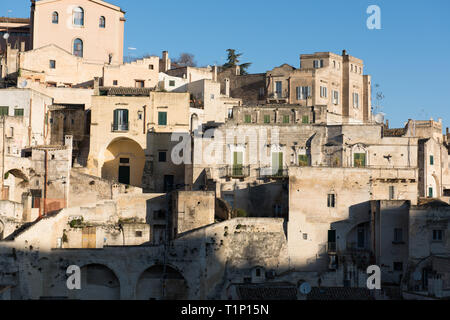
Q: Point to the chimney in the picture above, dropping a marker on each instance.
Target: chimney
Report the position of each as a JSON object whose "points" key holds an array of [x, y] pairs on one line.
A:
{"points": [[447, 131], [166, 63], [227, 87], [214, 71], [387, 124], [96, 86]]}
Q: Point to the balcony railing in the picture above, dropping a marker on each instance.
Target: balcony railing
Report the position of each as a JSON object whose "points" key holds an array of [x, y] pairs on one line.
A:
{"points": [[274, 173], [235, 171], [119, 127]]}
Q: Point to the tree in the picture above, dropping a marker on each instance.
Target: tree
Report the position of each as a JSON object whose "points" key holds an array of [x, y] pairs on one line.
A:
{"points": [[186, 60], [233, 60]]}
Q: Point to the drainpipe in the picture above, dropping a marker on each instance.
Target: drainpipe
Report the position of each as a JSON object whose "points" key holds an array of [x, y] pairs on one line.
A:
{"points": [[29, 123], [3, 155], [45, 181]]}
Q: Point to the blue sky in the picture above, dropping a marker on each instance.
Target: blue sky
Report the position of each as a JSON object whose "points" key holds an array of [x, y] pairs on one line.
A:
{"points": [[408, 57]]}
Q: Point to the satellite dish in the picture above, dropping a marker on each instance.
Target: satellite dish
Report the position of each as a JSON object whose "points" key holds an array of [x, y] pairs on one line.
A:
{"points": [[23, 84], [305, 288], [379, 118], [417, 276], [6, 36]]}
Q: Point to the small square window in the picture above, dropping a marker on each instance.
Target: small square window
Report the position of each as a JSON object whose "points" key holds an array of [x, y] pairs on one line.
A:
{"points": [[138, 234], [151, 67], [124, 160], [305, 236], [140, 84], [52, 64], [172, 83], [115, 82], [162, 156]]}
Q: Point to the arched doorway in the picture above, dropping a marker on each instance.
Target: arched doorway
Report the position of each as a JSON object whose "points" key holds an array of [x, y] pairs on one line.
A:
{"points": [[16, 183], [98, 282], [155, 283], [124, 162]]}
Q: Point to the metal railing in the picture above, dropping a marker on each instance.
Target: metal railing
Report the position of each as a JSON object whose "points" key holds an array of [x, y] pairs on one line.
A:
{"points": [[235, 171], [120, 127], [274, 173]]}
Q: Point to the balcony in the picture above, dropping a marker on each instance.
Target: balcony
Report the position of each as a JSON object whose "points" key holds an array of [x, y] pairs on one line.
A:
{"points": [[119, 127], [235, 172], [273, 173]]}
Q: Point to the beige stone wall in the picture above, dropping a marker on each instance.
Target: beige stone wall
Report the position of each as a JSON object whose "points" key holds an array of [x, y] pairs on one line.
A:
{"points": [[353, 187], [98, 42], [127, 74], [192, 210]]}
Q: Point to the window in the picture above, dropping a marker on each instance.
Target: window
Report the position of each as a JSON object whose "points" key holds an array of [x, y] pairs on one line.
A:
{"points": [[303, 93], [305, 119], [285, 119], [331, 200], [162, 156], [162, 118], [139, 83], [258, 272], [172, 83], [431, 160], [212, 96], [115, 82], [138, 234], [102, 22], [78, 48], [359, 160], [277, 163], [391, 192], [303, 160], [430, 192], [55, 17], [335, 97], [278, 88], [151, 67], [120, 120], [318, 64], [266, 118], [355, 100], [248, 118], [398, 266], [398, 235], [438, 235], [323, 92], [4, 111], [78, 16], [230, 113], [18, 112], [52, 64], [305, 236], [238, 161]]}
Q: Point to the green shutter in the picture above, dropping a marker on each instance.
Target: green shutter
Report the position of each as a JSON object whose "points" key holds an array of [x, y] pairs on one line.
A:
{"points": [[116, 117], [359, 160], [248, 118], [305, 119], [285, 119], [4, 111], [162, 118], [303, 160], [430, 192], [267, 118], [277, 163], [238, 158], [431, 160]]}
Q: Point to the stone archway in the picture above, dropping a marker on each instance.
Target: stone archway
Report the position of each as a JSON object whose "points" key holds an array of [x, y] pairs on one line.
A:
{"points": [[124, 162], [16, 183], [153, 281], [98, 282]]}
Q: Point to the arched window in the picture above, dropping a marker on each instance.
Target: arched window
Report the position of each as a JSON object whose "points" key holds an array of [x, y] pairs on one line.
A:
{"points": [[55, 17], [78, 16], [78, 48], [102, 23]]}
